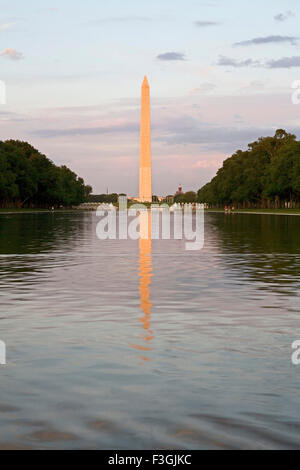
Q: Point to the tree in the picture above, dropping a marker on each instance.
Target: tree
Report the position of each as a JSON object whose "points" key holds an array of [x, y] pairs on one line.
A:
{"points": [[28, 177], [187, 197], [268, 172]]}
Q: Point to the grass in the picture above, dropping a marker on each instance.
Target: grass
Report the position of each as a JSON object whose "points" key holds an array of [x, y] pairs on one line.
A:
{"points": [[16, 209], [21, 210], [260, 211], [237, 211]]}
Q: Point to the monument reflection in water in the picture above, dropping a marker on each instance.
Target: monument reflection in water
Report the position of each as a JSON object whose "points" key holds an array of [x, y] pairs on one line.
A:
{"points": [[224, 318], [145, 274]]}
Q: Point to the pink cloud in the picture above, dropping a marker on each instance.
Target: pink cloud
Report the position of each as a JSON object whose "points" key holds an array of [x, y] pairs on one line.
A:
{"points": [[191, 136], [11, 54], [212, 163]]}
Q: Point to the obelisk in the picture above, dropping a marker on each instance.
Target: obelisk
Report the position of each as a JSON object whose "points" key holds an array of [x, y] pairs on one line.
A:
{"points": [[145, 194]]}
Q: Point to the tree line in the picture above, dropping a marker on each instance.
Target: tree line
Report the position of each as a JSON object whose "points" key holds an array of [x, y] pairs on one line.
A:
{"points": [[103, 198], [265, 175], [29, 179]]}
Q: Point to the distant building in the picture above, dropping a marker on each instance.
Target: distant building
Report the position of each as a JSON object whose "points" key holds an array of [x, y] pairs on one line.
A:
{"points": [[179, 191], [170, 199]]}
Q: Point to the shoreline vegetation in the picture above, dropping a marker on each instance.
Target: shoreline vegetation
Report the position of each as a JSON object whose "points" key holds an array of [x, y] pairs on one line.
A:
{"points": [[265, 176], [258, 211], [28, 179], [296, 212]]}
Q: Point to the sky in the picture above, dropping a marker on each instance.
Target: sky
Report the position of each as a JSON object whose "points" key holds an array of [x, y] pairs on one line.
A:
{"points": [[220, 74]]}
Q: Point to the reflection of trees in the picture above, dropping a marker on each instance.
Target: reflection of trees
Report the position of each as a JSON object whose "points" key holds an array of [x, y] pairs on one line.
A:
{"points": [[38, 233], [264, 247]]}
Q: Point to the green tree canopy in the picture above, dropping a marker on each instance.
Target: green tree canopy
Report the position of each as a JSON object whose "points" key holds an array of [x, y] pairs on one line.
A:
{"points": [[268, 171], [29, 178]]}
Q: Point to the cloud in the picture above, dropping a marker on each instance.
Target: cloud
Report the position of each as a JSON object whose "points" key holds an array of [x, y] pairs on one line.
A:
{"points": [[121, 19], [284, 63], [182, 136], [5, 26], [11, 54], [284, 16], [203, 88], [228, 61], [9, 116], [186, 130], [213, 163], [171, 56], [276, 39], [238, 118], [87, 131], [217, 139], [254, 86], [205, 24]]}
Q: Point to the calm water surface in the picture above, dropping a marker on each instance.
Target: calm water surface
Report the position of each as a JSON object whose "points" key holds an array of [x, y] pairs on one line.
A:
{"points": [[128, 344]]}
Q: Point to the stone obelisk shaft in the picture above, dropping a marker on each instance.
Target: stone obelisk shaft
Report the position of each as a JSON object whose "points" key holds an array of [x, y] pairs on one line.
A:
{"points": [[145, 194]]}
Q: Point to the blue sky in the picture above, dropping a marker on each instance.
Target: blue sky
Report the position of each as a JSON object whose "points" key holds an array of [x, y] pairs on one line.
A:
{"points": [[220, 73]]}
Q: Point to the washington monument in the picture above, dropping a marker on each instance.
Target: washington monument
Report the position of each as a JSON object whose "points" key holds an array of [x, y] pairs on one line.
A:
{"points": [[145, 193]]}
